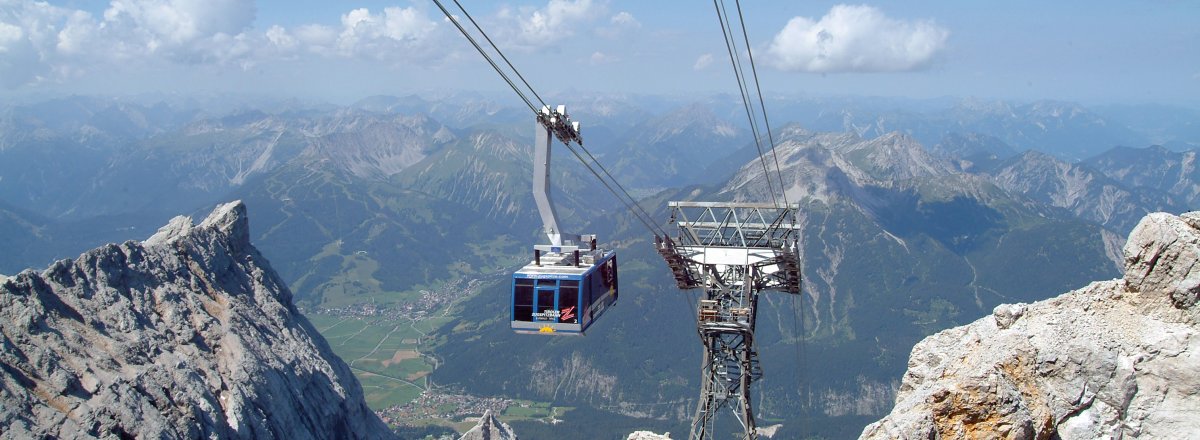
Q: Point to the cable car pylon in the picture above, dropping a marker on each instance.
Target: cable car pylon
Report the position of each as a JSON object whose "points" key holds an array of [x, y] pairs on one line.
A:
{"points": [[734, 251]]}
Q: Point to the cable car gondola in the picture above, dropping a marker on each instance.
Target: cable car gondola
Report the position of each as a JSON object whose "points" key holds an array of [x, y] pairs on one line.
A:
{"points": [[556, 296], [570, 282]]}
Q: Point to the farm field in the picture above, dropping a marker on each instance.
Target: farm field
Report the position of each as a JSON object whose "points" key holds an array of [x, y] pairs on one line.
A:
{"points": [[384, 353]]}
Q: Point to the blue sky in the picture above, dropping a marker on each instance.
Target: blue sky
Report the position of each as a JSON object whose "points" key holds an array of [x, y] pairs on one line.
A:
{"points": [[1087, 51]]}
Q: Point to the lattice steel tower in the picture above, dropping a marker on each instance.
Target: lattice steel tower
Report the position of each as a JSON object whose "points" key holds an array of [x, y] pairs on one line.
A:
{"points": [[733, 251]]}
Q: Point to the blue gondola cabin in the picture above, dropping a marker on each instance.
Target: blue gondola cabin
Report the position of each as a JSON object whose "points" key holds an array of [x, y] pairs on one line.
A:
{"points": [[554, 295]]}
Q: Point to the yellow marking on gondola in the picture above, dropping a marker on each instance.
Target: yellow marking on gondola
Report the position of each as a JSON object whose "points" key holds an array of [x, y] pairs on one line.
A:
{"points": [[546, 329]]}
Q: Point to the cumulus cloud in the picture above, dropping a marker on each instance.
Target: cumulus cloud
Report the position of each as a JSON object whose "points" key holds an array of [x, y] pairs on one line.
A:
{"points": [[554, 20], [9, 34], [19, 60], [52, 42], [855, 39], [625, 19], [539, 27], [392, 34], [703, 62], [619, 25], [41, 42], [27, 40], [315, 37], [175, 23], [280, 38], [367, 34]]}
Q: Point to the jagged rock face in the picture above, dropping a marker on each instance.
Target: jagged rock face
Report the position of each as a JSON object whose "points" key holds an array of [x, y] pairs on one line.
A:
{"points": [[1113, 359], [190, 334], [489, 428]]}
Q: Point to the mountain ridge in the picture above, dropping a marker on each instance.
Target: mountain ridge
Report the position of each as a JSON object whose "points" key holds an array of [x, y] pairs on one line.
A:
{"points": [[900, 242]]}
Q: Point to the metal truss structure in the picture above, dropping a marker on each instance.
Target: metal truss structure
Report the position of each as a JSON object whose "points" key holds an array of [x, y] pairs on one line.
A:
{"points": [[733, 251]]}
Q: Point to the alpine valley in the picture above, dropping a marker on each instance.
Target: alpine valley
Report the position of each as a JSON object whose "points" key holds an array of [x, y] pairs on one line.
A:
{"points": [[397, 221]]}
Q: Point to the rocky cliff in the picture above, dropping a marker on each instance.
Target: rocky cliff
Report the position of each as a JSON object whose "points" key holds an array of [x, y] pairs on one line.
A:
{"points": [[489, 428], [1114, 359], [189, 334]]}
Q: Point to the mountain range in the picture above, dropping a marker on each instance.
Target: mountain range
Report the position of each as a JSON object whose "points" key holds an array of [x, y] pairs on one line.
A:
{"points": [[916, 217]]}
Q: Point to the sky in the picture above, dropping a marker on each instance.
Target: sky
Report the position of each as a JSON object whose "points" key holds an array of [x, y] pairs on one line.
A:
{"points": [[340, 51]]}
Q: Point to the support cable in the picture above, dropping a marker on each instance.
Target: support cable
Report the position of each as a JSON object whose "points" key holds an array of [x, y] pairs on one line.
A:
{"points": [[735, 61], [486, 56], [497, 49], [740, 75], [761, 104], [628, 200], [657, 229], [649, 224]]}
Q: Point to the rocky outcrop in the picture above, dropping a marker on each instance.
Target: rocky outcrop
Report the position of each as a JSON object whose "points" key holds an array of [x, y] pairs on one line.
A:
{"points": [[489, 428], [648, 435], [189, 334], [1114, 359]]}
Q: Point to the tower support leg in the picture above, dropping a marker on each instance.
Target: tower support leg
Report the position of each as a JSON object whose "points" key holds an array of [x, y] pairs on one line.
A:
{"points": [[730, 366]]}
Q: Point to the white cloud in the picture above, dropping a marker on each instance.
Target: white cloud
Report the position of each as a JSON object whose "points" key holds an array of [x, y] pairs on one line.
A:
{"points": [[369, 34], [40, 42], [19, 60], [540, 27], [855, 39], [175, 23], [703, 62], [77, 34], [189, 31], [9, 34], [394, 33], [27, 40], [316, 37], [625, 19], [622, 24], [280, 38]]}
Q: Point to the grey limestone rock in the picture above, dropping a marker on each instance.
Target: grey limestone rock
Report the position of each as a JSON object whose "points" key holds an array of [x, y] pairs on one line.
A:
{"points": [[648, 435], [1114, 359], [1007, 314], [189, 334], [489, 428]]}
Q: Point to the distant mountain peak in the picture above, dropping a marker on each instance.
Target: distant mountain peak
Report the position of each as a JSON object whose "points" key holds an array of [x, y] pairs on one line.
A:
{"points": [[825, 166], [992, 107], [373, 145], [691, 120]]}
